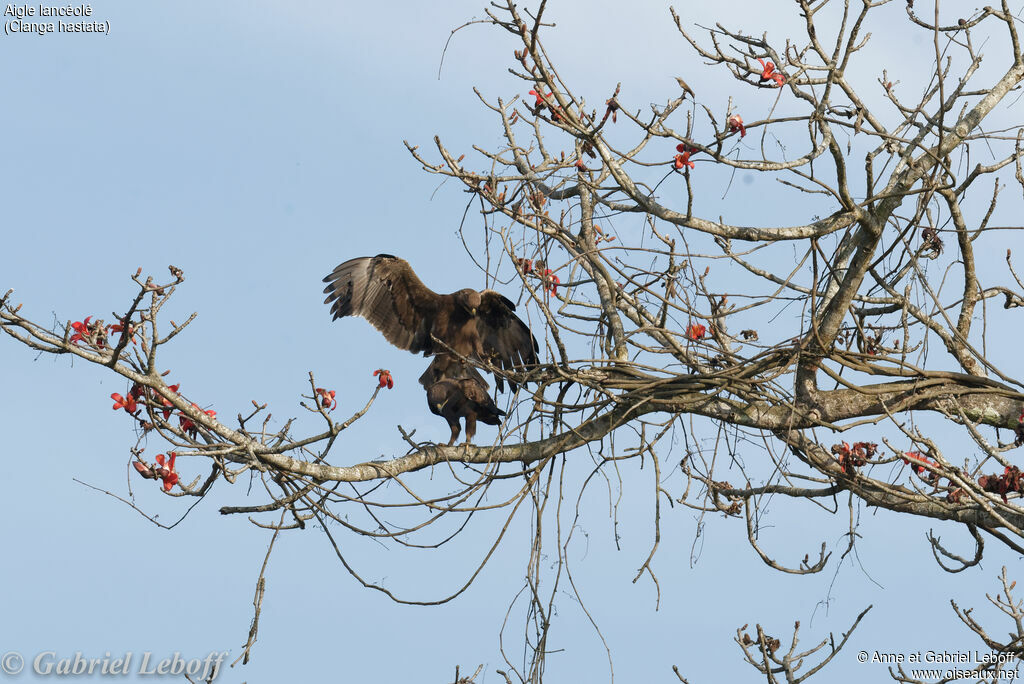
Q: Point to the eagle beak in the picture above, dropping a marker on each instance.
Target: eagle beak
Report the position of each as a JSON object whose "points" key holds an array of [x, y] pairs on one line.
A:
{"points": [[472, 311]]}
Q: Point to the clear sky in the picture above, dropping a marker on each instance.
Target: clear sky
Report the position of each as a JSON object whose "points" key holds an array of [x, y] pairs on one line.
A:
{"points": [[256, 145]]}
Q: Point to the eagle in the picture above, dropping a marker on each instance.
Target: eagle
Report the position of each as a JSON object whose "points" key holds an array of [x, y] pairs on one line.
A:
{"points": [[456, 390], [477, 325]]}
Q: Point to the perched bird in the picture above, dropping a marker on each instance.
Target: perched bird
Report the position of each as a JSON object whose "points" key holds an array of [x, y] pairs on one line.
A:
{"points": [[456, 390], [476, 325], [686, 89]]}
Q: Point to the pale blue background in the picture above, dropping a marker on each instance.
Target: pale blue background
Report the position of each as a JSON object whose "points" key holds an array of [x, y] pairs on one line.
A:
{"points": [[255, 145]]}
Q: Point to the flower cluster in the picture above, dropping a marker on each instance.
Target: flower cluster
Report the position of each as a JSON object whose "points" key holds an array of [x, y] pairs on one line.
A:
{"points": [[548, 280], [1012, 480], [95, 334], [384, 378], [696, 331], [850, 457]]}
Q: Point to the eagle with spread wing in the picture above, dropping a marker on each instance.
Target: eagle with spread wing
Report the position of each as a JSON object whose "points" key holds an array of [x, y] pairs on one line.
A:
{"points": [[478, 325]]}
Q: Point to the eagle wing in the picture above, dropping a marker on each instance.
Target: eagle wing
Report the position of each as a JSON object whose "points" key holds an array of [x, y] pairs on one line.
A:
{"points": [[507, 342], [386, 292]]}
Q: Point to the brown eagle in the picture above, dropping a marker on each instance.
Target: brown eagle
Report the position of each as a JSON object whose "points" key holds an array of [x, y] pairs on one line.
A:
{"points": [[456, 390], [478, 325]]}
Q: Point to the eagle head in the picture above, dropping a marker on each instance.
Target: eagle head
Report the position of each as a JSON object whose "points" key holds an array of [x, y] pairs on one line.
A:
{"points": [[469, 300]]}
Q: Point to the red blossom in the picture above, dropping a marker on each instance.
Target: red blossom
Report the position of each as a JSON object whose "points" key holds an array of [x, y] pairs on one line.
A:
{"points": [[850, 457], [137, 391], [545, 100], [549, 281], [917, 462], [187, 426], [683, 158], [168, 406], [736, 124], [768, 73], [127, 403], [696, 331], [81, 329], [125, 328], [165, 471], [85, 331], [326, 398], [1012, 480], [385, 379]]}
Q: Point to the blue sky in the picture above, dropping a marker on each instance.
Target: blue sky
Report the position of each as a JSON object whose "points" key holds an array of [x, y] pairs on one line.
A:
{"points": [[256, 145]]}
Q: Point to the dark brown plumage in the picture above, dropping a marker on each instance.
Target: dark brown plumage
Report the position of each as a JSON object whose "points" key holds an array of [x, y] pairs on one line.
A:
{"points": [[478, 325], [456, 390]]}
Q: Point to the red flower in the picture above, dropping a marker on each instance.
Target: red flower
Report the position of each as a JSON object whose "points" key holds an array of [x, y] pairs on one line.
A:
{"points": [[88, 332], [188, 426], [125, 328], [137, 392], [385, 379], [81, 329], [326, 398], [768, 73], [166, 470], [168, 406], [682, 160], [128, 404], [854, 457], [736, 124], [542, 101], [916, 461], [549, 281], [696, 331]]}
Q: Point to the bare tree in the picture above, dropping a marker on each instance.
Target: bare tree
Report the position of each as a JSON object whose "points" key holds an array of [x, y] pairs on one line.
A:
{"points": [[661, 322]]}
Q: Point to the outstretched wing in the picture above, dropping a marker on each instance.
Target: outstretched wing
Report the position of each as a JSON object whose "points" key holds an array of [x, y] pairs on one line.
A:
{"points": [[506, 340], [386, 292]]}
